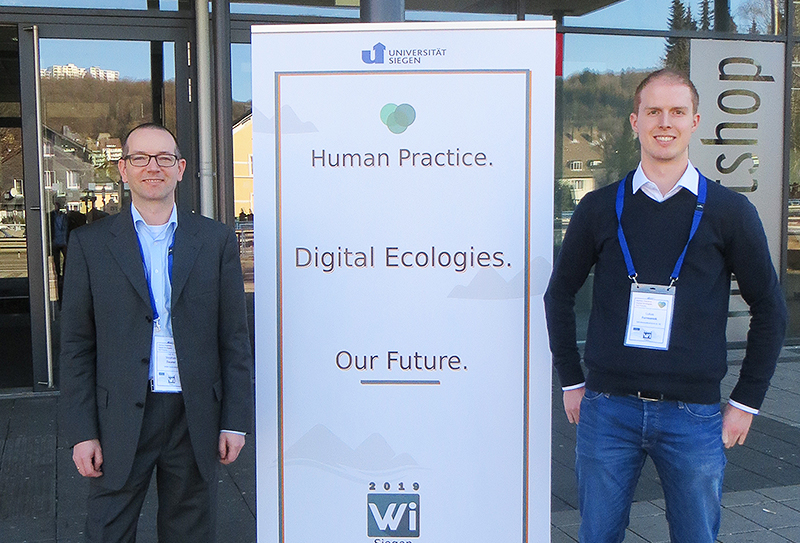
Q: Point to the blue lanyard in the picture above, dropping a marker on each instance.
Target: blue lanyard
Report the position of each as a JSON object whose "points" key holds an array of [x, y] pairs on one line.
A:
{"points": [[698, 214], [147, 273]]}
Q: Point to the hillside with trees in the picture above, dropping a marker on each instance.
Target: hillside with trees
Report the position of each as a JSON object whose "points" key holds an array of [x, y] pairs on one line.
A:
{"points": [[90, 106], [597, 107]]}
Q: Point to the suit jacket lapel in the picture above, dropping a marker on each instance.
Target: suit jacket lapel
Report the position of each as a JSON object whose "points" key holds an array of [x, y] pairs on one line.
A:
{"points": [[124, 246], [184, 253]]}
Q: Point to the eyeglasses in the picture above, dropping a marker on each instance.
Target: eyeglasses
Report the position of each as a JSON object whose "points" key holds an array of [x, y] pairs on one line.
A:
{"points": [[141, 160]]}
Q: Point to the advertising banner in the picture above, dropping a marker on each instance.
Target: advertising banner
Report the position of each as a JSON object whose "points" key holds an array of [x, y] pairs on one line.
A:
{"points": [[739, 142], [403, 241]]}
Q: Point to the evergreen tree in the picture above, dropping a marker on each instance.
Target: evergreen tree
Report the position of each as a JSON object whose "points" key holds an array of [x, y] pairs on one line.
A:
{"points": [[690, 23], [705, 15], [677, 49], [621, 154]]}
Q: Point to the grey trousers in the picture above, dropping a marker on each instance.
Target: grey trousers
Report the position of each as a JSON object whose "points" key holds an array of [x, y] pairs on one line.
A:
{"points": [[186, 503]]}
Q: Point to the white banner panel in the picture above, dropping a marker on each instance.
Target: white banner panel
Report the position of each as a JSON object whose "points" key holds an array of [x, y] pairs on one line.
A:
{"points": [[740, 139], [403, 185]]}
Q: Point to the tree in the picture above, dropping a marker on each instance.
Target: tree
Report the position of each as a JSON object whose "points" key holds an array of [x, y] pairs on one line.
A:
{"points": [[599, 105], [621, 153], [677, 49], [690, 23], [764, 16], [706, 20]]}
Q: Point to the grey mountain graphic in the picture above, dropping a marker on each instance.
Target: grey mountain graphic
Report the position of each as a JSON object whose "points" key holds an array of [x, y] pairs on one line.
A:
{"points": [[322, 446], [291, 122], [489, 285]]}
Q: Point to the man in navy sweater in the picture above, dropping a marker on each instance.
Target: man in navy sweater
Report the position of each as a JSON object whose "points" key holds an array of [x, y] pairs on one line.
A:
{"points": [[664, 243]]}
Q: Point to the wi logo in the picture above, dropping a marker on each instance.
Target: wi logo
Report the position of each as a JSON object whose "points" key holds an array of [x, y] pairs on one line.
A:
{"points": [[393, 515]]}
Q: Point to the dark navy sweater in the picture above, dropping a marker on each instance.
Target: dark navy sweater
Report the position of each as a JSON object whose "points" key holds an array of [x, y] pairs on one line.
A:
{"points": [[729, 240]]}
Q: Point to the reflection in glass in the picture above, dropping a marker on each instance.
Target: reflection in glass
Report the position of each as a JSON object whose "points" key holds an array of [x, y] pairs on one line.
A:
{"points": [[163, 5], [243, 159], [96, 4], [16, 368], [792, 281], [741, 16], [264, 8], [92, 93], [598, 145]]}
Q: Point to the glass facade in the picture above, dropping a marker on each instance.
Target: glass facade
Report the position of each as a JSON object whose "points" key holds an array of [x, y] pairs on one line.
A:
{"points": [[165, 5], [792, 280], [95, 87], [729, 16], [15, 314], [603, 65]]}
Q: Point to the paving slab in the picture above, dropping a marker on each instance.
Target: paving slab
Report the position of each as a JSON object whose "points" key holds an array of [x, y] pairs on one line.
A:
{"points": [[557, 536], [645, 509], [781, 493], [631, 537], [753, 537], [734, 523], [746, 497], [772, 515], [652, 528], [791, 534], [566, 518]]}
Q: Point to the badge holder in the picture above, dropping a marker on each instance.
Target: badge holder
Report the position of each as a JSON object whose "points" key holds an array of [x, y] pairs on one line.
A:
{"points": [[650, 316], [165, 375], [651, 307]]}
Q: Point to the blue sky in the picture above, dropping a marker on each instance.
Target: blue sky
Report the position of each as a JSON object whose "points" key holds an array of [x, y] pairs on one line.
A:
{"points": [[130, 58]]}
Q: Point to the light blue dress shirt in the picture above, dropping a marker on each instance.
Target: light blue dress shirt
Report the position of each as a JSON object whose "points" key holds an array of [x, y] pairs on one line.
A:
{"points": [[155, 242]]}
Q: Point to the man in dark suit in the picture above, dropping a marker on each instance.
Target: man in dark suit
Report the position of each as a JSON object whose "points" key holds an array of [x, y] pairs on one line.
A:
{"points": [[155, 353]]}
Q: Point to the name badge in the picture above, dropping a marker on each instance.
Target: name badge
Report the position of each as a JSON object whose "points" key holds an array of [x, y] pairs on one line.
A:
{"points": [[165, 375], [650, 316]]}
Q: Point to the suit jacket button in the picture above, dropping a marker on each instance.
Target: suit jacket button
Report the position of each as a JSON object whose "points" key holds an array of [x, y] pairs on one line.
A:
{"points": [[139, 405], [148, 318], [145, 361]]}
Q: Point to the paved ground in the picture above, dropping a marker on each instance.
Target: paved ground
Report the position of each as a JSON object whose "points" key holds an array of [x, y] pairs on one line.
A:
{"points": [[42, 499]]}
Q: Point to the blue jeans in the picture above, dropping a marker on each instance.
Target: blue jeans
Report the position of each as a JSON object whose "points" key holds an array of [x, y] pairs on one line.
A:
{"points": [[615, 435]]}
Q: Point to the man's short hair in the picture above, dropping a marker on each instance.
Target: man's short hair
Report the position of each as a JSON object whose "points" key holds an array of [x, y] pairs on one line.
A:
{"points": [[151, 126], [676, 76]]}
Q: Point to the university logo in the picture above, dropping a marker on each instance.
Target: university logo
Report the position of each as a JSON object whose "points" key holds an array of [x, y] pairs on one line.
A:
{"points": [[375, 56], [393, 515], [398, 118]]}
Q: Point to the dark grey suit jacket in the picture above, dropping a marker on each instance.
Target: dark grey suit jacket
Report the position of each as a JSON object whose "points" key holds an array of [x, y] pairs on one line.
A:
{"points": [[107, 331]]}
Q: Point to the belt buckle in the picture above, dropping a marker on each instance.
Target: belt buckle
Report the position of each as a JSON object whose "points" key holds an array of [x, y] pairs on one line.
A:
{"points": [[649, 396]]}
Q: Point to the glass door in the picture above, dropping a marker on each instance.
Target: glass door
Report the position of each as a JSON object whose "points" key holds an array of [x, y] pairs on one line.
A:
{"points": [[15, 313], [61, 141]]}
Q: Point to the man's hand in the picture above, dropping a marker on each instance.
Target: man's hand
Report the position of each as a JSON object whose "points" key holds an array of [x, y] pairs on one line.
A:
{"points": [[229, 446], [735, 425], [572, 404], [88, 458]]}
